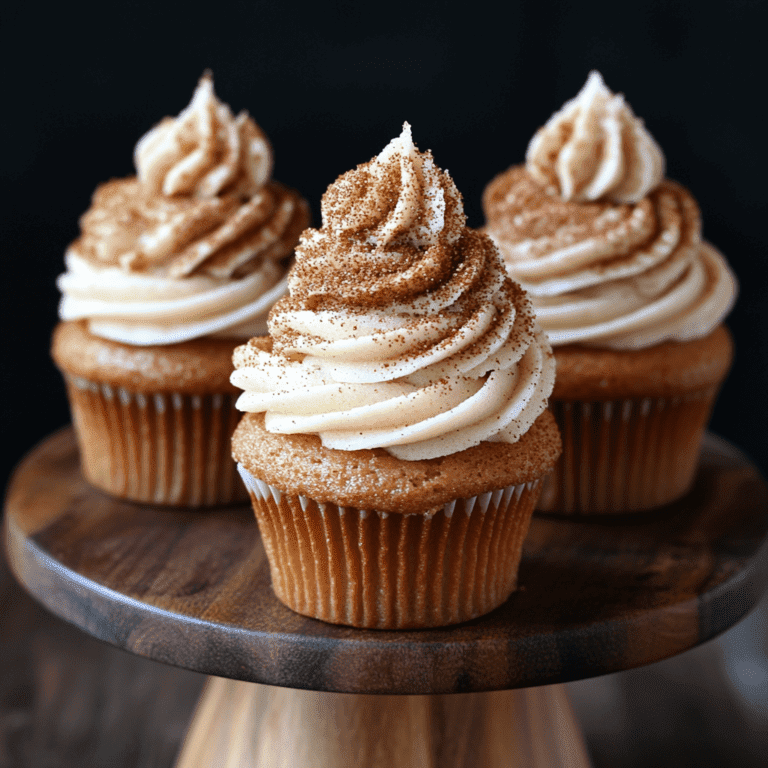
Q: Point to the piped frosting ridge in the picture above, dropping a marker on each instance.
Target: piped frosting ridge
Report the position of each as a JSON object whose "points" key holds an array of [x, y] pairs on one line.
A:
{"points": [[401, 329], [192, 245], [610, 252]]}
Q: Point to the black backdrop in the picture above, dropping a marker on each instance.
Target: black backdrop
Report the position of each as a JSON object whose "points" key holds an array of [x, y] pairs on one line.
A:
{"points": [[331, 84]]}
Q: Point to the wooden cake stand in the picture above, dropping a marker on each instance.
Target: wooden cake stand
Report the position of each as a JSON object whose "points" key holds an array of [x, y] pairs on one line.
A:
{"points": [[191, 588]]}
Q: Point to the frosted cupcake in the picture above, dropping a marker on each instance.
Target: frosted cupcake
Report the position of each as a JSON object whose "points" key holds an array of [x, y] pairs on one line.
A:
{"points": [[396, 430], [173, 268], [631, 297]]}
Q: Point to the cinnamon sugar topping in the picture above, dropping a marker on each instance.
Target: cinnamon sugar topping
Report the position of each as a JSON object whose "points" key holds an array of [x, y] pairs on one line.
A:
{"points": [[202, 201], [201, 221], [401, 329], [623, 269]]}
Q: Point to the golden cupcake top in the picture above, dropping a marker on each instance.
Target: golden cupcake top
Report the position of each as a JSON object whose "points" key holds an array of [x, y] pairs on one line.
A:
{"points": [[300, 464], [192, 245], [401, 329], [610, 251]]}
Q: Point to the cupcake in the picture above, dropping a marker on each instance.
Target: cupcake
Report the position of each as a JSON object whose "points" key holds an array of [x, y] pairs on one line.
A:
{"points": [[630, 295], [396, 430], [173, 268]]}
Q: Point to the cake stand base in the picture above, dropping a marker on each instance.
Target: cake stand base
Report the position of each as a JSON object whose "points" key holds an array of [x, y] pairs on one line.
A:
{"points": [[240, 724]]}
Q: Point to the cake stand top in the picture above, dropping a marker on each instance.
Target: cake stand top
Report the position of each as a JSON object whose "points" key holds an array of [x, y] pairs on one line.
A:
{"points": [[192, 588]]}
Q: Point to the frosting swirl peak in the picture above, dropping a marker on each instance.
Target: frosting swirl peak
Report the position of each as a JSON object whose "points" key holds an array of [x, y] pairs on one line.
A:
{"points": [[401, 196], [616, 260], [401, 329], [595, 147], [195, 244], [204, 150]]}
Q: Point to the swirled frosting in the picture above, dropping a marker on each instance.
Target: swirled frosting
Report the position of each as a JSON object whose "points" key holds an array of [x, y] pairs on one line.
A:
{"points": [[191, 246], [595, 147], [604, 273], [401, 329], [204, 150]]}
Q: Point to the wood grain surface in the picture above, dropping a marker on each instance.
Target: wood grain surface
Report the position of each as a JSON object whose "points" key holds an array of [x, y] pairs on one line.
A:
{"points": [[192, 588], [245, 724], [70, 701]]}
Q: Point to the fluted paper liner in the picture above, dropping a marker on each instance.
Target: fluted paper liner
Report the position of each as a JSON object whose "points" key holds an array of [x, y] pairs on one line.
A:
{"points": [[624, 456], [383, 570], [160, 448]]}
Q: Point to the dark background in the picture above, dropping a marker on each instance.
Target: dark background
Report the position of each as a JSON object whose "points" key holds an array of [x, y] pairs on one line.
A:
{"points": [[331, 84]]}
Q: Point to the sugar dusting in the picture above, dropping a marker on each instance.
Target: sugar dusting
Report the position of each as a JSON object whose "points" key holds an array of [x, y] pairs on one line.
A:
{"points": [[394, 289], [202, 213]]}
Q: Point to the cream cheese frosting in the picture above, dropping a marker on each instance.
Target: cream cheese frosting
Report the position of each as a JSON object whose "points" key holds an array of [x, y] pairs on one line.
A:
{"points": [[204, 150], [613, 272], [401, 329], [192, 245], [596, 147]]}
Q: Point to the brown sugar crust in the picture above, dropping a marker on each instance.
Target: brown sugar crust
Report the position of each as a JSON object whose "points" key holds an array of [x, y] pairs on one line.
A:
{"points": [[375, 480], [199, 366], [665, 370]]}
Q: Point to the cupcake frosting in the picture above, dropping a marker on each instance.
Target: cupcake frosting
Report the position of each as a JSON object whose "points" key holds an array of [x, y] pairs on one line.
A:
{"points": [[192, 245], [401, 329], [595, 147], [610, 252], [204, 150]]}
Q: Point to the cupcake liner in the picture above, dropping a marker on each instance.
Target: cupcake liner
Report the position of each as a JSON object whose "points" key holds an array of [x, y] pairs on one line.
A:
{"points": [[158, 448], [382, 570], [626, 455]]}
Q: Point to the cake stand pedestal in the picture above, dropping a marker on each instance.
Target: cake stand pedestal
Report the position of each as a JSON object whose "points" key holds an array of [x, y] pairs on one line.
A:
{"points": [[191, 588]]}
